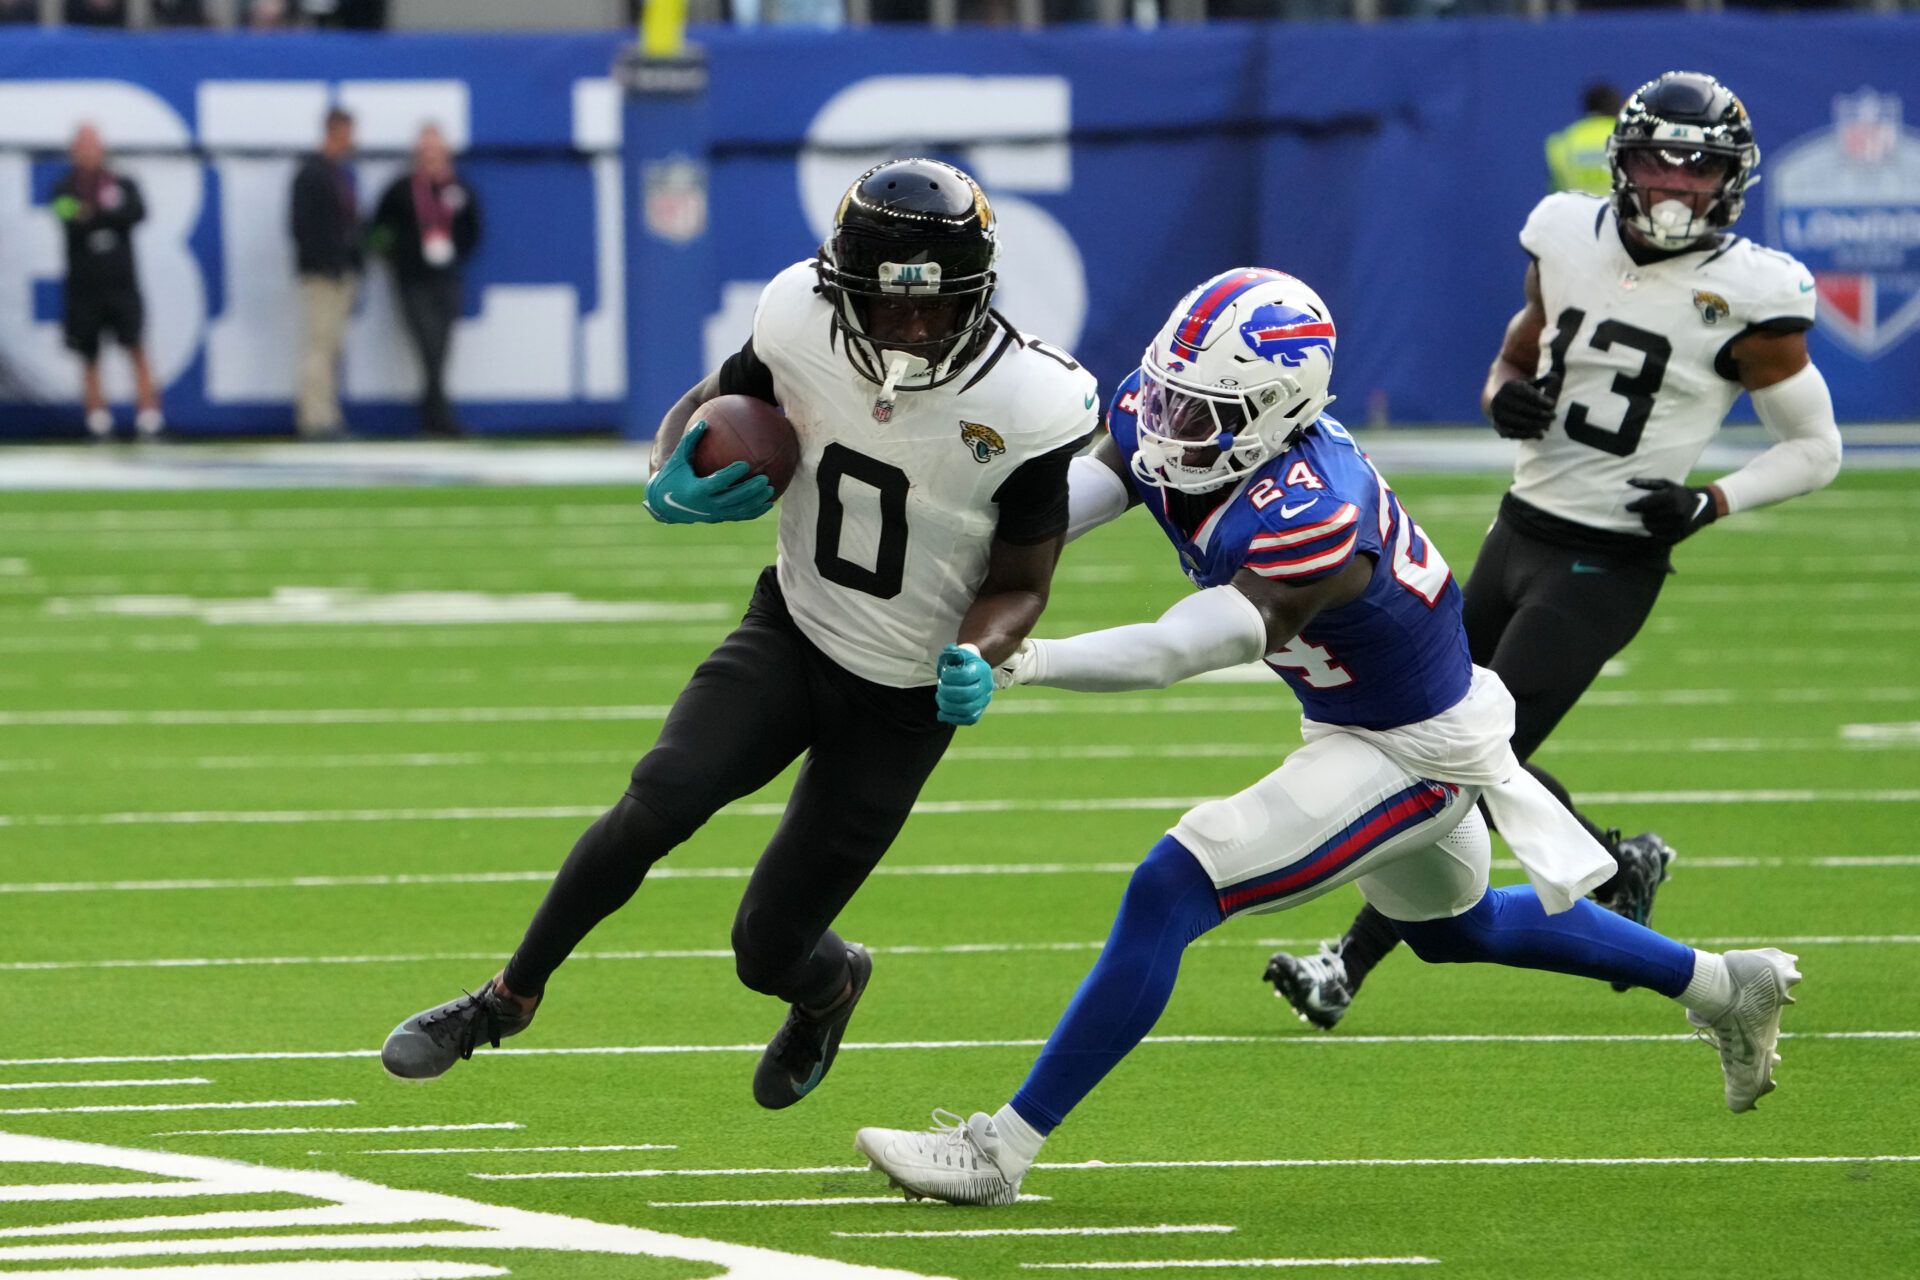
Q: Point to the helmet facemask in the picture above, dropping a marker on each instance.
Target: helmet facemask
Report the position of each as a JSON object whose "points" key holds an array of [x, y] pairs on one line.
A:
{"points": [[1675, 194], [1193, 438], [911, 316]]}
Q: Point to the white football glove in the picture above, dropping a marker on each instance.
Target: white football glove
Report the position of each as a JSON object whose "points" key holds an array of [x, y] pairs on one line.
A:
{"points": [[1021, 668]]}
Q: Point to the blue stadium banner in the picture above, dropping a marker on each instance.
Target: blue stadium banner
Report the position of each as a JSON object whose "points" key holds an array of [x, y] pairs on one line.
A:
{"points": [[1391, 167]]}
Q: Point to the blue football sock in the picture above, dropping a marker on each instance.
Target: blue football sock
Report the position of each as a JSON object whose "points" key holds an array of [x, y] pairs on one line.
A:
{"points": [[1509, 926], [1169, 902]]}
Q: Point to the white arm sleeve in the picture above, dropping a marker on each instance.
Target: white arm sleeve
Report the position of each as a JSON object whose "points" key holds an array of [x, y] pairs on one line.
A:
{"points": [[1797, 412], [1211, 629], [1094, 495]]}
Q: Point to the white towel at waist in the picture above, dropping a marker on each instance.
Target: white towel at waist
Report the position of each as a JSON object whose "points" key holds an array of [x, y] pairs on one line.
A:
{"points": [[1468, 743]]}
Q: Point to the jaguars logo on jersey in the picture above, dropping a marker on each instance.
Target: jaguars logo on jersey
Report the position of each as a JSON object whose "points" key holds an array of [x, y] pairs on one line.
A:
{"points": [[1712, 307], [984, 442]]}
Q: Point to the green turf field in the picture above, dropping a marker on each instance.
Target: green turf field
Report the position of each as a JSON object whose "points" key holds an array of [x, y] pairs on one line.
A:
{"points": [[238, 846]]}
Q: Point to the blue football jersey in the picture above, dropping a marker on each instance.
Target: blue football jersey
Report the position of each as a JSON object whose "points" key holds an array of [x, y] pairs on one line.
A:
{"points": [[1398, 653]]}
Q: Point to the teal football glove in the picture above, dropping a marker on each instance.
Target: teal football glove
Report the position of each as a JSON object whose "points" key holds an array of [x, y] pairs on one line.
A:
{"points": [[965, 687], [676, 495]]}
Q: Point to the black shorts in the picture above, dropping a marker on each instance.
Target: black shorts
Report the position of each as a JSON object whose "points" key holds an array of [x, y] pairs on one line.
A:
{"points": [[1549, 602], [764, 698], [93, 312]]}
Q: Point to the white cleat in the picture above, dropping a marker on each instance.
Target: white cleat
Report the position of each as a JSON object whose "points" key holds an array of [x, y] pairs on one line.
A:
{"points": [[1747, 1032], [960, 1162]]}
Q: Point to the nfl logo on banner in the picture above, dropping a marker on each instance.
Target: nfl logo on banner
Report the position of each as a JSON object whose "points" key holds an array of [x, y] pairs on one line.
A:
{"points": [[674, 195], [1846, 202]]}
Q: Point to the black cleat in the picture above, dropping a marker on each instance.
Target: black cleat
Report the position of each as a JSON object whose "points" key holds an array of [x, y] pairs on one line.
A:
{"points": [[801, 1052], [1316, 986], [1643, 863], [426, 1044]]}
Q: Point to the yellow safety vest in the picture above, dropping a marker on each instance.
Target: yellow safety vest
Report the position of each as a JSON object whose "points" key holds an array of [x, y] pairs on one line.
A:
{"points": [[1577, 156]]}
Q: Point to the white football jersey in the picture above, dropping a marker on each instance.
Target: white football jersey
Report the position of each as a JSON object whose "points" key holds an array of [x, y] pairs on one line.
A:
{"points": [[886, 527], [1646, 355]]}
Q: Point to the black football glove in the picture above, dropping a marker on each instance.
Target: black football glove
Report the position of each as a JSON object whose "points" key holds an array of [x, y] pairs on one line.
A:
{"points": [[1523, 410], [1673, 511]]}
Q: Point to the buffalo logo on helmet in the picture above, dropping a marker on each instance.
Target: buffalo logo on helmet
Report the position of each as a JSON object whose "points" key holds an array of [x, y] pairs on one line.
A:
{"points": [[1281, 333], [983, 441]]}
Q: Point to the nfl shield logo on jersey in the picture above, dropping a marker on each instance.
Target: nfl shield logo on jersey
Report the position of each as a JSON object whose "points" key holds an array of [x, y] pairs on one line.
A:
{"points": [[1846, 201]]}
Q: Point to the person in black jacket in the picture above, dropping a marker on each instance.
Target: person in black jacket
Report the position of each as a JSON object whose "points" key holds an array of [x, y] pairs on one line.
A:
{"points": [[427, 224], [100, 208], [326, 238]]}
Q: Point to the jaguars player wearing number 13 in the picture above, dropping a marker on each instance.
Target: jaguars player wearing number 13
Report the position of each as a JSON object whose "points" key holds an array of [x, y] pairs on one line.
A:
{"points": [[1645, 319], [918, 539]]}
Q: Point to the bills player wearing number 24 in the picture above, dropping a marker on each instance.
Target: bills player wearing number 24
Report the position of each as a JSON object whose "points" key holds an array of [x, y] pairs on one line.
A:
{"points": [[1645, 319], [917, 543], [1306, 559]]}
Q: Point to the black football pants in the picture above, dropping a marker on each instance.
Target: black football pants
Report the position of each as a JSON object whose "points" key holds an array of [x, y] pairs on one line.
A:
{"points": [[760, 700], [1544, 618]]}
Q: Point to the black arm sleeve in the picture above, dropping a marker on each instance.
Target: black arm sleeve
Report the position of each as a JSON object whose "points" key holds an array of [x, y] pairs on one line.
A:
{"points": [[744, 374], [1033, 500], [1727, 367]]}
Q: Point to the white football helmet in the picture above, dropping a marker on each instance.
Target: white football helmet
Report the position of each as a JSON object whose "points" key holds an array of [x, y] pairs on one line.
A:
{"points": [[1235, 375]]}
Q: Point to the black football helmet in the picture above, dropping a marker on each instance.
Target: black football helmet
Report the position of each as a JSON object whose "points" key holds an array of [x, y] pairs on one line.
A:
{"points": [[1684, 123], [909, 272]]}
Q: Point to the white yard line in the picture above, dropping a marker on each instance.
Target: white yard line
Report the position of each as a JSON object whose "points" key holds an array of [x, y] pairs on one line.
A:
{"points": [[1852, 738], [509, 1151], [105, 1084], [808, 1202], [178, 1106], [1837, 862], [340, 1269], [58, 1192], [726, 954], [456, 1238], [979, 1233], [1105, 1166], [528, 877], [1452, 1162], [1216, 1264], [227, 1220], [549, 1175], [1224, 704], [1778, 795], [188, 717], [382, 1128], [774, 809], [1291, 1039]]}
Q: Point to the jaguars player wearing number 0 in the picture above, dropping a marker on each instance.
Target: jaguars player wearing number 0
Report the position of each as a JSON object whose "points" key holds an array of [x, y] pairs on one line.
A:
{"points": [[1645, 320], [917, 543], [1306, 558]]}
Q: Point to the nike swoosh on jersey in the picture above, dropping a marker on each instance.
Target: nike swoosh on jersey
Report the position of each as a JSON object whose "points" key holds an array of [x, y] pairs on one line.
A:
{"points": [[1806, 286], [1288, 513], [1090, 400]]}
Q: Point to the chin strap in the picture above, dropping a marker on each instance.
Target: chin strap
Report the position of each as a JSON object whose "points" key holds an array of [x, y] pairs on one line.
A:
{"points": [[896, 370], [899, 365]]}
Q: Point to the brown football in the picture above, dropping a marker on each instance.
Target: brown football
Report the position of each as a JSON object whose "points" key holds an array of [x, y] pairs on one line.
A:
{"points": [[749, 430]]}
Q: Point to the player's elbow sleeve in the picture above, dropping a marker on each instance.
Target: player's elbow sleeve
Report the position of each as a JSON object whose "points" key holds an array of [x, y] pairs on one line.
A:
{"points": [[1095, 495], [1798, 412]]}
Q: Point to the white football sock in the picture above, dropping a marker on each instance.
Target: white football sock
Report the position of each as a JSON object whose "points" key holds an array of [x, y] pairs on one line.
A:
{"points": [[1017, 1136], [1710, 992]]}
